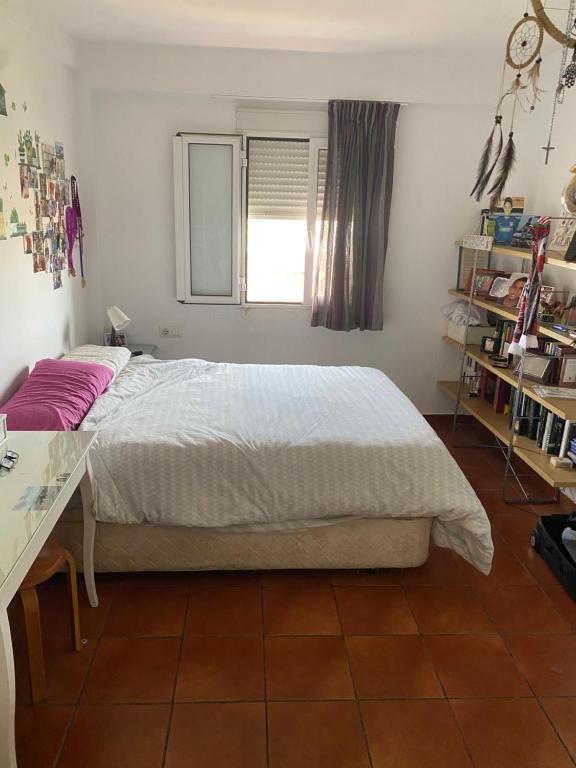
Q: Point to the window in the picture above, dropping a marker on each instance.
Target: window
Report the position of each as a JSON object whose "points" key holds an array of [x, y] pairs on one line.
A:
{"points": [[207, 212], [277, 202], [283, 186]]}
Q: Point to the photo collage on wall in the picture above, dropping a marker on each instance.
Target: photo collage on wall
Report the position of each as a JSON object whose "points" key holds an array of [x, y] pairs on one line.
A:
{"points": [[43, 181], [34, 192]]}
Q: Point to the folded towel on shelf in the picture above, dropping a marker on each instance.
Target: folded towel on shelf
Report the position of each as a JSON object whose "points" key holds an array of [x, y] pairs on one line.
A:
{"points": [[457, 311]]}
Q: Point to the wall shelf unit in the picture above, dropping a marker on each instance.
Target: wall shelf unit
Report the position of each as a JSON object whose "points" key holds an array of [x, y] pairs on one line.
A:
{"points": [[544, 329], [499, 424], [526, 449], [552, 258], [564, 408]]}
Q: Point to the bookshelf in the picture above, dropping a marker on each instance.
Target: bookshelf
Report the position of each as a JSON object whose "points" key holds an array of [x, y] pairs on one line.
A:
{"points": [[552, 258], [524, 448], [566, 409], [544, 329], [481, 410]]}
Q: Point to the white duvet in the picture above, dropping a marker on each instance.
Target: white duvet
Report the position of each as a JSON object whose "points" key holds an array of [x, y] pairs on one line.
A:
{"points": [[194, 443]]}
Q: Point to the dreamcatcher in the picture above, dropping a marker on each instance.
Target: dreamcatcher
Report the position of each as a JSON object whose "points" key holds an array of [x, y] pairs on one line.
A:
{"points": [[567, 74], [496, 162], [522, 55]]}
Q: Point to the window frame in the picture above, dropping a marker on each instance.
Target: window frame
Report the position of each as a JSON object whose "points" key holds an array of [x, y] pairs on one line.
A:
{"points": [[181, 142], [316, 142], [239, 260]]}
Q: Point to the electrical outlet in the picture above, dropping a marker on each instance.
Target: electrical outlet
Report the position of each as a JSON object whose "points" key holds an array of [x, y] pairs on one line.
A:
{"points": [[170, 331]]}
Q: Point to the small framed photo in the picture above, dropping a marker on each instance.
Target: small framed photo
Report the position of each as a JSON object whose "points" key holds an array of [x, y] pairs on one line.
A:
{"points": [[488, 344], [536, 368], [567, 375], [483, 280], [121, 339], [508, 290]]}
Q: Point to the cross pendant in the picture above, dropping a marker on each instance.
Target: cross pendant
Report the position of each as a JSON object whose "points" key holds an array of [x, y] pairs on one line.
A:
{"points": [[547, 149]]}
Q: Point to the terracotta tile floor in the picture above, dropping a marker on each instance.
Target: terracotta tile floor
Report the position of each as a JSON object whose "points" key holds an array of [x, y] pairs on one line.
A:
{"points": [[435, 667]]}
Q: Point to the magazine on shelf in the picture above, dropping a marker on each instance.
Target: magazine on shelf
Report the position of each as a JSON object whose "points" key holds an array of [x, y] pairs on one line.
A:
{"points": [[564, 393]]}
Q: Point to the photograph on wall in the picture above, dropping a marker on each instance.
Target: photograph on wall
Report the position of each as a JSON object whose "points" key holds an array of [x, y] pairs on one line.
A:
{"points": [[28, 241], [24, 186], [2, 221], [38, 261], [49, 159], [62, 196], [42, 189], [3, 110], [60, 170], [57, 280]]}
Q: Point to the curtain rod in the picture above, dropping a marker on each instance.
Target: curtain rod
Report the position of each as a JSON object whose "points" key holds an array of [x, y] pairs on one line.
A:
{"points": [[289, 98]]}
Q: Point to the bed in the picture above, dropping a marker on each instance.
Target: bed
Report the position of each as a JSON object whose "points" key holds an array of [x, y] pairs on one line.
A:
{"points": [[202, 465]]}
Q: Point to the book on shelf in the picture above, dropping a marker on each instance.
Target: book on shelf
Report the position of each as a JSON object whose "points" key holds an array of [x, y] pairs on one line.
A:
{"points": [[562, 393], [551, 433], [547, 432], [541, 426], [501, 395], [567, 436]]}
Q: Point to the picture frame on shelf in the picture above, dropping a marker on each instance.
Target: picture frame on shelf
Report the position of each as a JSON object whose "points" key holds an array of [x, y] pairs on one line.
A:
{"points": [[507, 291], [483, 280], [567, 372], [512, 230], [563, 235], [488, 345], [536, 368], [121, 339]]}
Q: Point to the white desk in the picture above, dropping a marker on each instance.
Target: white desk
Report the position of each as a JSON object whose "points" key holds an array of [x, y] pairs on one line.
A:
{"points": [[44, 458]]}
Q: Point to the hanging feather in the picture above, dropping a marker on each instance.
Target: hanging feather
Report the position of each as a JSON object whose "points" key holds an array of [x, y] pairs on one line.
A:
{"points": [[533, 80], [504, 170], [490, 171], [483, 174]]}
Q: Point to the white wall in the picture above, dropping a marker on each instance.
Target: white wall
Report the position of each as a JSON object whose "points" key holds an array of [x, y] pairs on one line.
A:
{"points": [[140, 96], [548, 180], [36, 321]]}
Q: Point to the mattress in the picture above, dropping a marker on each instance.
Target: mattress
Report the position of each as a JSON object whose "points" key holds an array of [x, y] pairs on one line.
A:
{"points": [[365, 543], [263, 447]]}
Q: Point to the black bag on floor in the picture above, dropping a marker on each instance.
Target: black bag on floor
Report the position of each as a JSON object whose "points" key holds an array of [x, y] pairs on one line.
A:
{"points": [[547, 541]]}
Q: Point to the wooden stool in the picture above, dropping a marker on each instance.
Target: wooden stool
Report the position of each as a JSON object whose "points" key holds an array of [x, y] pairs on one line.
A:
{"points": [[51, 558]]}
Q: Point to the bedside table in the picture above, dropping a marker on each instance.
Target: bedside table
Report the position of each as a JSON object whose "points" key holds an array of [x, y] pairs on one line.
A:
{"points": [[51, 465], [145, 349]]}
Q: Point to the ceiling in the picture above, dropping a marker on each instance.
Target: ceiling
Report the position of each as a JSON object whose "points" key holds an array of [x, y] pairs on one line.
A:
{"points": [[439, 26]]}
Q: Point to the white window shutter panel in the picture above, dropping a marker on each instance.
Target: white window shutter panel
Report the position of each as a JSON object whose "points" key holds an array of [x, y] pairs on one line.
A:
{"points": [[277, 178]]}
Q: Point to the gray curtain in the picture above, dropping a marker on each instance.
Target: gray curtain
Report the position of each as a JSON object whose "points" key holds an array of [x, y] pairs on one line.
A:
{"points": [[348, 283]]}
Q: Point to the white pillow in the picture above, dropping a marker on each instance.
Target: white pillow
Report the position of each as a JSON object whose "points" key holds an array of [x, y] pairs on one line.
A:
{"points": [[115, 358]]}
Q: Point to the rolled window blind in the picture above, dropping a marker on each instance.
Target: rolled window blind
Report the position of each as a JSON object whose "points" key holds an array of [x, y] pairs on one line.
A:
{"points": [[277, 178]]}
